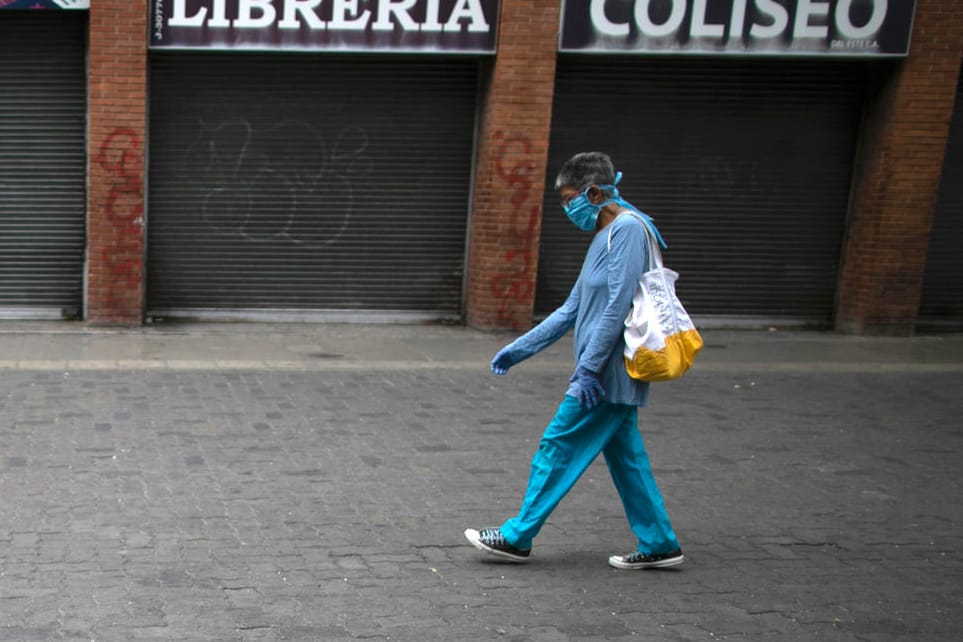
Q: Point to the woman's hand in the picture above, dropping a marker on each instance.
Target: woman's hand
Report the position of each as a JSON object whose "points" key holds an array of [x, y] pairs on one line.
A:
{"points": [[501, 362], [587, 388]]}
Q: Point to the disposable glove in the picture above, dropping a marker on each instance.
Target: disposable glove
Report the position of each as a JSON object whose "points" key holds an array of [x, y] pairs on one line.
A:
{"points": [[501, 362], [587, 388]]}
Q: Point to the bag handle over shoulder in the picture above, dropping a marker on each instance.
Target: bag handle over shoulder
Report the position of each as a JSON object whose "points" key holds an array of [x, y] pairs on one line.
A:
{"points": [[653, 238]]}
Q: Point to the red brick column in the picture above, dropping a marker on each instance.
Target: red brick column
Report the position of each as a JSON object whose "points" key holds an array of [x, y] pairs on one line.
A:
{"points": [[116, 136], [510, 167], [897, 178]]}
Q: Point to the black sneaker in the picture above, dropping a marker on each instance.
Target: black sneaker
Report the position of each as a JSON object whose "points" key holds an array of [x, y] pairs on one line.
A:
{"points": [[634, 561], [492, 541]]}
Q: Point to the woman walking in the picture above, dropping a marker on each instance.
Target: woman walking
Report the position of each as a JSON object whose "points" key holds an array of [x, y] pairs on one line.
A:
{"points": [[599, 413]]}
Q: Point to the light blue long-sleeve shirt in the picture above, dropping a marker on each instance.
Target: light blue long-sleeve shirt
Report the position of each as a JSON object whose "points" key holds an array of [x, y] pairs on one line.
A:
{"points": [[597, 307]]}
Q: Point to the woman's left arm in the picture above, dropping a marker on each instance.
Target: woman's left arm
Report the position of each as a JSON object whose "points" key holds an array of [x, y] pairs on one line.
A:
{"points": [[627, 256]]}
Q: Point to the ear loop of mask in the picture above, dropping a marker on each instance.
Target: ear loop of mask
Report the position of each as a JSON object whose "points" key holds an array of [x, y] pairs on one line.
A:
{"points": [[616, 198]]}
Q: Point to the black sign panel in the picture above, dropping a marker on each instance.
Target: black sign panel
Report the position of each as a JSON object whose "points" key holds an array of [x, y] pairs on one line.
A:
{"points": [[739, 27], [44, 4], [465, 26]]}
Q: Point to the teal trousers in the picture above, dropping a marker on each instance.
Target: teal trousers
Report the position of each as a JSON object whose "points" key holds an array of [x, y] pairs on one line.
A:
{"points": [[572, 441]]}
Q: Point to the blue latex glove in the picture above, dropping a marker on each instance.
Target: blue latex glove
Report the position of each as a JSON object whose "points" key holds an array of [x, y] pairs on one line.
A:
{"points": [[587, 388], [501, 362]]}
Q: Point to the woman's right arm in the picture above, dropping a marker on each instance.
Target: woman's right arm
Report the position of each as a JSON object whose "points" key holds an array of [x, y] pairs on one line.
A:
{"points": [[550, 330]]}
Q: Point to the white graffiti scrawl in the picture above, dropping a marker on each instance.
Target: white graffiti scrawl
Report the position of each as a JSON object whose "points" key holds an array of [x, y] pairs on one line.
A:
{"points": [[280, 183]]}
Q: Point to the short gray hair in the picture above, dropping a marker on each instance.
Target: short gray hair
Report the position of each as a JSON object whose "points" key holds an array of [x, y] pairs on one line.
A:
{"points": [[584, 169]]}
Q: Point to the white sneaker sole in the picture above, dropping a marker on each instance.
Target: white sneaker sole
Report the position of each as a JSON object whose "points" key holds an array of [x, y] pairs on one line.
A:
{"points": [[616, 562], [474, 537]]}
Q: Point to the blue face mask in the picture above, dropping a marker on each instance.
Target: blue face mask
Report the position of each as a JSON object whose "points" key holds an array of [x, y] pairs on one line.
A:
{"points": [[583, 212]]}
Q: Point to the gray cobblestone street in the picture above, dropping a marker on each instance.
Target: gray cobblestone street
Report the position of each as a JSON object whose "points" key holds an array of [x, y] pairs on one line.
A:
{"points": [[312, 483]]}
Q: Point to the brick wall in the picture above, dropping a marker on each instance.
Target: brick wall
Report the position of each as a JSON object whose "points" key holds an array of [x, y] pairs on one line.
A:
{"points": [[897, 177], [510, 167], [116, 134]]}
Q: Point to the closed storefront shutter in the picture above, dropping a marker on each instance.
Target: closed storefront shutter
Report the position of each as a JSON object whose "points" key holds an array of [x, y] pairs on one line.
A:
{"points": [[42, 163], [289, 184], [744, 164], [941, 302]]}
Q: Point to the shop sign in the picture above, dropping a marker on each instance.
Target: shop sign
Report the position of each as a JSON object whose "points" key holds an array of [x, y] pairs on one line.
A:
{"points": [[44, 4], [739, 27], [463, 26]]}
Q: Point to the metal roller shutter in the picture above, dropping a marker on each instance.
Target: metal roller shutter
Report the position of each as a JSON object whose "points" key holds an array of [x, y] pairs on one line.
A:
{"points": [[941, 302], [744, 164], [42, 163], [285, 184]]}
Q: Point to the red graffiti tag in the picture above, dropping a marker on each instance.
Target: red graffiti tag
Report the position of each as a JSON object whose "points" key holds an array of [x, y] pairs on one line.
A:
{"points": [[516, 285], [124, 208]]}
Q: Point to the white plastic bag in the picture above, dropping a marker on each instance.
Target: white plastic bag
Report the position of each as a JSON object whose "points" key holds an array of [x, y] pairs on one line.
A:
{"points": [[661, 342]]}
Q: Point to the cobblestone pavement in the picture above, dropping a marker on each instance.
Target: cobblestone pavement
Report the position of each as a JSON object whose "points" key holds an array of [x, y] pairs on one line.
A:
{"points": [[327, 502]]}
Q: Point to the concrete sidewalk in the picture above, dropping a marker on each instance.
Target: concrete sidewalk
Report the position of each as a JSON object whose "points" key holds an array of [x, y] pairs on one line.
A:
{"points": [[312, 482], [66, 346]]}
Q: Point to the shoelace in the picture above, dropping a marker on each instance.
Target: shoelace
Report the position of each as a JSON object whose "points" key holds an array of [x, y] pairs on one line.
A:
{"points": [[492, 537]]}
